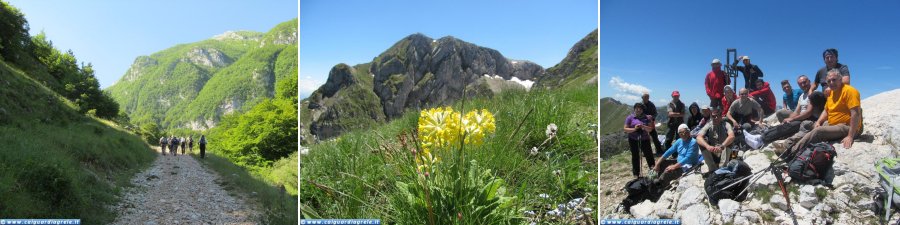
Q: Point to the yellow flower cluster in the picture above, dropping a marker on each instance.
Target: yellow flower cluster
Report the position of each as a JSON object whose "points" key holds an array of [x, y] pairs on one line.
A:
{"points": [[443, 127]]}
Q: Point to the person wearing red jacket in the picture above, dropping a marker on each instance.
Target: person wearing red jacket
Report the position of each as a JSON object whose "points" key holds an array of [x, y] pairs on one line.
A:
{"points": [[715, 81], [763, 94], [729, 98]]}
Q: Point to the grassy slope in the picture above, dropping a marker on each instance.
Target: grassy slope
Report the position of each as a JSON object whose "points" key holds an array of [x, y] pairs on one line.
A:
{"points": [[56, 163], [337, 172]]}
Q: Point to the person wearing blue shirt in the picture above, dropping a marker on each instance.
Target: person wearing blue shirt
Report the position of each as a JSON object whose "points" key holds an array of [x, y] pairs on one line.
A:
{"points": [[688, 156], [791, 96]]}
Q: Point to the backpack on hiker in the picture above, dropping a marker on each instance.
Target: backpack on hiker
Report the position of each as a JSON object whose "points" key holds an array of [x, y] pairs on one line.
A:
{"points": [[727, 183], [813, 165]]}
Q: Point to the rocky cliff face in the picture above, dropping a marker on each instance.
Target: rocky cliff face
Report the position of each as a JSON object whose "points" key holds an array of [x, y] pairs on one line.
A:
{"points": [[848, 202], [416, 72], [419, 71], [579, 66]]}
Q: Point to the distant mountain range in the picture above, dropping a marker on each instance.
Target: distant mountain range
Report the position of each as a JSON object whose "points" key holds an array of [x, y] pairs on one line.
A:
{"points": [[420, 72], [191, 86]]}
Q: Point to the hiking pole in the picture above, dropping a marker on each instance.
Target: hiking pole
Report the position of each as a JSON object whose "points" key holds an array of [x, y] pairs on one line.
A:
{"points": [[784, 192]]}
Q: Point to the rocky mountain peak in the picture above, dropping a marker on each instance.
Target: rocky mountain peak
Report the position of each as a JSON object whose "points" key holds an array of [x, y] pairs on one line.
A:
{"points": [[233, 35], [340, 76]]}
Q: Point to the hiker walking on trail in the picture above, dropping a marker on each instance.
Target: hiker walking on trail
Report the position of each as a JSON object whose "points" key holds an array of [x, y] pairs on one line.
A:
{"points": [[764, 96], [162, 144], [751, 72], [202, 146], [831, 62], [687, 152], [676, 117], [650, 109], [183, 144], [173, 145], [842, 114], [714, 139], [638, 126], [741, 110], [190, 144], [715, 81]]}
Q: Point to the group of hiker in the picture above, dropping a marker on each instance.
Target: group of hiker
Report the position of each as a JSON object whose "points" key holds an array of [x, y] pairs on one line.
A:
{"points": [[808, 116], [186, 143]]}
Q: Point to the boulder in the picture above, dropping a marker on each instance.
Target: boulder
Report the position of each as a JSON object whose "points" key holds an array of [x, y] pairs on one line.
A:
{"points": [[643, 210], [728, 208], [696, 214], [808, 197], [691, 197]]}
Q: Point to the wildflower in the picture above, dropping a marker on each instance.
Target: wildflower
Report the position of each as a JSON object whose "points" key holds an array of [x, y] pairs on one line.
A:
{"points": [[557, 172], [426, 161], [438, 127], [542, 195], [529, 213], [534, 151], [476, 124], [551, 130]]}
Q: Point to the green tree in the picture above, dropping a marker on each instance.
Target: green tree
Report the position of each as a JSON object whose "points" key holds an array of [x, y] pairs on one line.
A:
{"points": [[14, 38]]}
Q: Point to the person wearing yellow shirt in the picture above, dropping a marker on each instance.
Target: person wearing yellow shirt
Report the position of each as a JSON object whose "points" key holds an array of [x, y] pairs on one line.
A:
{"points": [[842, 114]]}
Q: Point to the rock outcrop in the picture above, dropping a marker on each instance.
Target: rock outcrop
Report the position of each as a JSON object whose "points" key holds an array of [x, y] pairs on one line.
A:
{"points": [[419, 71], [850, 201], [579, 66]]}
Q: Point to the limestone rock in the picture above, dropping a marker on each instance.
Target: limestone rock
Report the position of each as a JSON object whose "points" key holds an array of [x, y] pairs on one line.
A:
{"points": [[728, 208], [808, 197]]}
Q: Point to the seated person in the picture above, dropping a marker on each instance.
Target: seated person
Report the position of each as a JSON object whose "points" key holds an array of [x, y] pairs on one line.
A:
{"points": [[715, 138], [705, 112], [842, 114], [764, 96], [742, 110], [802, 123], [688, 156]]}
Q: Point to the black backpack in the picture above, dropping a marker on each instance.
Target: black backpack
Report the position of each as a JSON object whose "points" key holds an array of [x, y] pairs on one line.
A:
{"points": [[641, 189], [813, 164], [715, 185]]}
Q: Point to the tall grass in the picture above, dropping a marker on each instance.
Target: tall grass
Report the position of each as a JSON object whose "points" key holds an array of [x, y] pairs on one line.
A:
{"points": [[350, 176], [56, 163], [278, 206]]}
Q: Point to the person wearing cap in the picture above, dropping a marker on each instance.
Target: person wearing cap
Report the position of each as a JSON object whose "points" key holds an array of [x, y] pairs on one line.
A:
{"points": [[741, 110], [650, 109], [676, 117], [764, 96], [714, 139], [714, 82], [688, 156], [830, 56], [638, 126], [751, 72]]}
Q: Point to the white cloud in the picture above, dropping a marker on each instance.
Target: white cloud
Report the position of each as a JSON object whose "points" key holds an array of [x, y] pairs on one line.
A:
{"points": [[627, 98], [634, 89]]}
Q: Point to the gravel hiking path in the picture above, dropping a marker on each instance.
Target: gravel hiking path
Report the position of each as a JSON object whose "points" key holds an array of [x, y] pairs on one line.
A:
{"points": [[178, 190]]}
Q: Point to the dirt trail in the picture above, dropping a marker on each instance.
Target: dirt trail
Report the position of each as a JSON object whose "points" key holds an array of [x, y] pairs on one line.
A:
{"points": [[178, 190]]}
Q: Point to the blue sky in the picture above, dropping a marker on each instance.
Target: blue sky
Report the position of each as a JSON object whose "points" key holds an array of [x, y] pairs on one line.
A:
{"points": [[668, 45], [333, 32], [111, 34]]}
